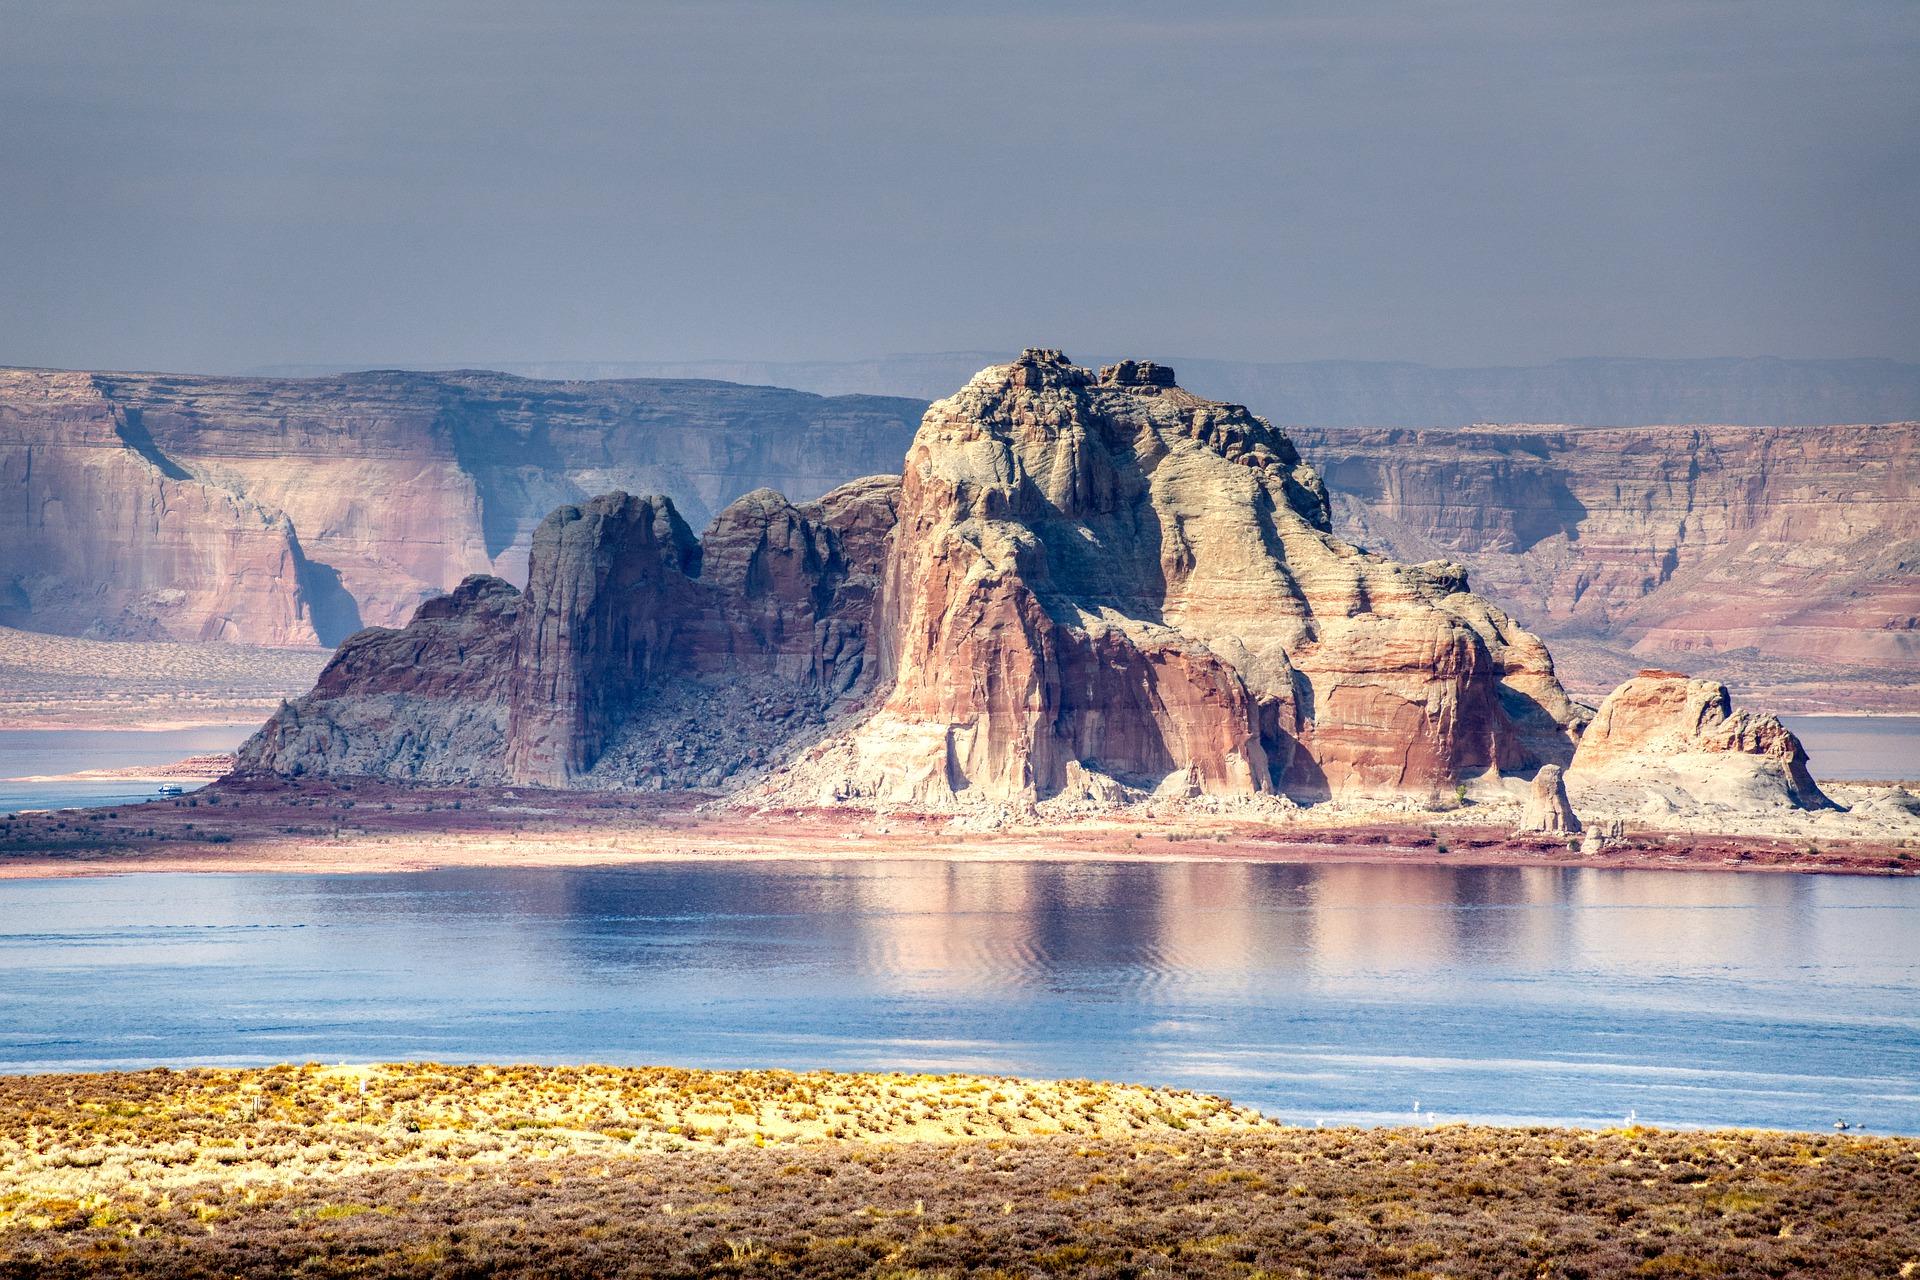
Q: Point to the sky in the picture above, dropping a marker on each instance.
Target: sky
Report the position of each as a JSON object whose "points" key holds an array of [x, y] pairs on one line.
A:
{"points": [[213, 185]]}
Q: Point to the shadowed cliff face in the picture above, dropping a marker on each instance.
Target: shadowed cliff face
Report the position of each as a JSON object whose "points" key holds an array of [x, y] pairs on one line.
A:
{"points": [[292, 511], [637, 656], [1795, 545]]}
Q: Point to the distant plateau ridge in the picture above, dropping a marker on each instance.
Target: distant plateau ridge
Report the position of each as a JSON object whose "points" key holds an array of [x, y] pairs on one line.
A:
{"points": [[292, 511]]}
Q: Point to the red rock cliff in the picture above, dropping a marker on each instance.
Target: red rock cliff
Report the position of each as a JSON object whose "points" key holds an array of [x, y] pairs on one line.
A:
{"points": [[1104, 575]]}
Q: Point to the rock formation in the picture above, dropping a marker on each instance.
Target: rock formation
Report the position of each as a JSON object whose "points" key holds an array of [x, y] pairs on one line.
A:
{"points": [[1547, 808], [1790, 556], [1087, 585], [637, 656], [1085, 589], [1682, 742], [1107, 572], [293, 511]]}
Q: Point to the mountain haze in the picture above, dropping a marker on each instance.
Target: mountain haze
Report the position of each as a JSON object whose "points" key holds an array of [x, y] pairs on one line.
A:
{"points": [[1758, 391]]}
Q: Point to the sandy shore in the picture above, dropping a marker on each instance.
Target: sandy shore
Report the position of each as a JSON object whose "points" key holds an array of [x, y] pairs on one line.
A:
{"points": [[203, 768], [366, 827]]}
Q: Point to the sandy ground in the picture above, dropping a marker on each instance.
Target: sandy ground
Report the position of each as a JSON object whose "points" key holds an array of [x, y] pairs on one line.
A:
{"points": [[63, 682], [203, 768], [260, 826]]}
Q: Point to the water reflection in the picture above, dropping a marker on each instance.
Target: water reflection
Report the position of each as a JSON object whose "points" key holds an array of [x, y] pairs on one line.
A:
{"points": [[1320, 992]]}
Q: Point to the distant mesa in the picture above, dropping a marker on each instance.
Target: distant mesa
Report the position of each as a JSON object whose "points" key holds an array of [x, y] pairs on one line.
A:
{"points": [[287, 511], [1782, 556]]}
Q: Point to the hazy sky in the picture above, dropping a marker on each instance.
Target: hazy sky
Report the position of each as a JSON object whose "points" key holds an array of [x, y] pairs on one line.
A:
{"points": [[215, 184]]}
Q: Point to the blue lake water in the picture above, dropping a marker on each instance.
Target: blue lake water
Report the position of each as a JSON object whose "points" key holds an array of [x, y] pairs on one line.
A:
{"points": [[43, 752], [1317, 993], [1843, 748]]}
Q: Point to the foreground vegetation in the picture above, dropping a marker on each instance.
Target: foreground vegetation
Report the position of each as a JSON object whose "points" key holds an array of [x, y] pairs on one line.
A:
{"points": [[468, 1171]]}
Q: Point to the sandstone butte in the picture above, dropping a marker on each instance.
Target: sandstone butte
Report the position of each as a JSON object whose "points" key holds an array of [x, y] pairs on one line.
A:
{"points": [[293, 511], [1084, 589]]}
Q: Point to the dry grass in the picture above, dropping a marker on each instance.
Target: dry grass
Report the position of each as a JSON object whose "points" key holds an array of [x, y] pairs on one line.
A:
{"points": [[574, 1171], [68, 1140]]}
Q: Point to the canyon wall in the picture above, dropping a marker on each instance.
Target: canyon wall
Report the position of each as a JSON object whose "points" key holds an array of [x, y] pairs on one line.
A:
{"points": [[1786, 556], [294, 511]]}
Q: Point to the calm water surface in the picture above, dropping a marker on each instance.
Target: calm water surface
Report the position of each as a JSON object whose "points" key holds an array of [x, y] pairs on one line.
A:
{"points": [[40, 752], [1332, 993], [1856, 747]]}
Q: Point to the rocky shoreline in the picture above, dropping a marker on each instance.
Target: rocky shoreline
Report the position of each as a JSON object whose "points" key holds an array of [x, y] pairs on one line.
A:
{"points": [[262, 825]]}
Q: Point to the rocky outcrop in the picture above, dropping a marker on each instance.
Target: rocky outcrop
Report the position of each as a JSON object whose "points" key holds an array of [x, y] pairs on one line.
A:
{"points": [[1107, 575], [1547, 809], [1089, 586], [1788, 555], [637, 655], [293, 511], [1682, 741], [429, 702]]}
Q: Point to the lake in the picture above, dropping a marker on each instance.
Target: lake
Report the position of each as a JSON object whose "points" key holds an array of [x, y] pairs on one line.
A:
{"points": [[1334, 994], [44, 752], [1843, 748]]}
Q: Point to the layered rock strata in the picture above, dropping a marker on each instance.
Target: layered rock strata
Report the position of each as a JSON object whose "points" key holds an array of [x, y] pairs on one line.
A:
{"points": [[1682, 741], [1790, 554], [1103, 574], [295, 510]]}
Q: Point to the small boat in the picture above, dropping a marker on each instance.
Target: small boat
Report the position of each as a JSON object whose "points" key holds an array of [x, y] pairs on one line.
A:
{"points": [[170, 789]]}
